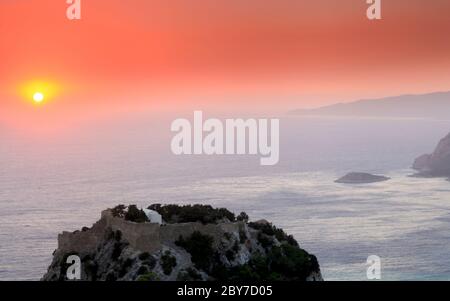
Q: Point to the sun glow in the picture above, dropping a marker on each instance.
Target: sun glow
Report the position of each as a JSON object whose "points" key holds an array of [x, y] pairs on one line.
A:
{"points": [[38, 97], [39, 91]]}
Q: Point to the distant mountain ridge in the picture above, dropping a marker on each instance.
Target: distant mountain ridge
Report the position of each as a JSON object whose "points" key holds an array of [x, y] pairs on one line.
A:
{"points": [[432, 105]]}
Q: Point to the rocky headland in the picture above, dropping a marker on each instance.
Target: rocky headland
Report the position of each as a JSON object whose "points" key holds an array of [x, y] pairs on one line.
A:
{"points": [[436, 164], [191, 243]]}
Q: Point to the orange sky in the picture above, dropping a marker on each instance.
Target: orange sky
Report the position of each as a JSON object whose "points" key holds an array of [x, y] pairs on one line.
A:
{"points": [[223, 54]]}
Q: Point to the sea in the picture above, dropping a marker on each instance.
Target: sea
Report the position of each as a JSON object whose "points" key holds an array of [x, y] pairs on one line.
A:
{"points": [[62, 182]]}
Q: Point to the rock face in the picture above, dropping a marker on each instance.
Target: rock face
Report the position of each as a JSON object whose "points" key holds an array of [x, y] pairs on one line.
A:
{"points": [[361, 178], [436, 164], [117, 248]]}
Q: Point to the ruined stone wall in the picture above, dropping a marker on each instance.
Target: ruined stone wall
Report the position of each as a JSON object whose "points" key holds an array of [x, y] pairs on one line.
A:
{"points": [[171, 232], [82, 241], [141, 236], [145, 237]]}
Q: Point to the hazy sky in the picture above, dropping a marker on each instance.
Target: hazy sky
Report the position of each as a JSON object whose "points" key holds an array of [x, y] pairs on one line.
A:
{"points": [[218, 54]]}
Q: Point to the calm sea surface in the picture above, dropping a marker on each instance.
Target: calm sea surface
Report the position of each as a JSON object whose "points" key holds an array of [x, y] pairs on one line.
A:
{"points": [[51, 185]]}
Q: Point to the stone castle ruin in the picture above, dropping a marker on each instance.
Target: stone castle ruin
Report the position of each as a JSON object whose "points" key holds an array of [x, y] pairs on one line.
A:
{"points": [[144, 237]]}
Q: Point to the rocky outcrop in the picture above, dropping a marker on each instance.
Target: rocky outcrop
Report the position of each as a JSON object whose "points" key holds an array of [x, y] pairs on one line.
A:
{"points": [[361, 178], [436, 164], [117, 248]]}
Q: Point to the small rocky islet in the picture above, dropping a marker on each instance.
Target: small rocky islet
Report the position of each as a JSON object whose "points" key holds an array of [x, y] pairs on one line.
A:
{"points": [[361, 178]]}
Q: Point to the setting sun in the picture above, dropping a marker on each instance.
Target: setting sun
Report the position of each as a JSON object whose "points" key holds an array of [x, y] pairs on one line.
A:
{"points": [[38, 97], [39, 91]]}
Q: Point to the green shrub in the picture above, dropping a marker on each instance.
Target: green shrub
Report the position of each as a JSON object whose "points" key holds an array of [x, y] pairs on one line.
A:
{"points": [[150, 262], [242, 236], [291, 240], [118, 235], [132, 214], [189, 274], [200, 247], [91, 268], [267, 229], [271, 230], [230, 254], [264, 240], [147, 259], [284, 263], [136, 215], [144, 256], [142, 270], [151, 276], [242, 217], [125, 267], [243, 273], [235, 247], [117, 250], [292, 262], [168, 262], [192, 213], [119, 211]]}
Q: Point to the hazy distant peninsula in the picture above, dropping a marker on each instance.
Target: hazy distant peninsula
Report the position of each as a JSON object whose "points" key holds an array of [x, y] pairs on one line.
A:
{"points": [[181, 243], [434, 105], [361, 178], [436, 164]]}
